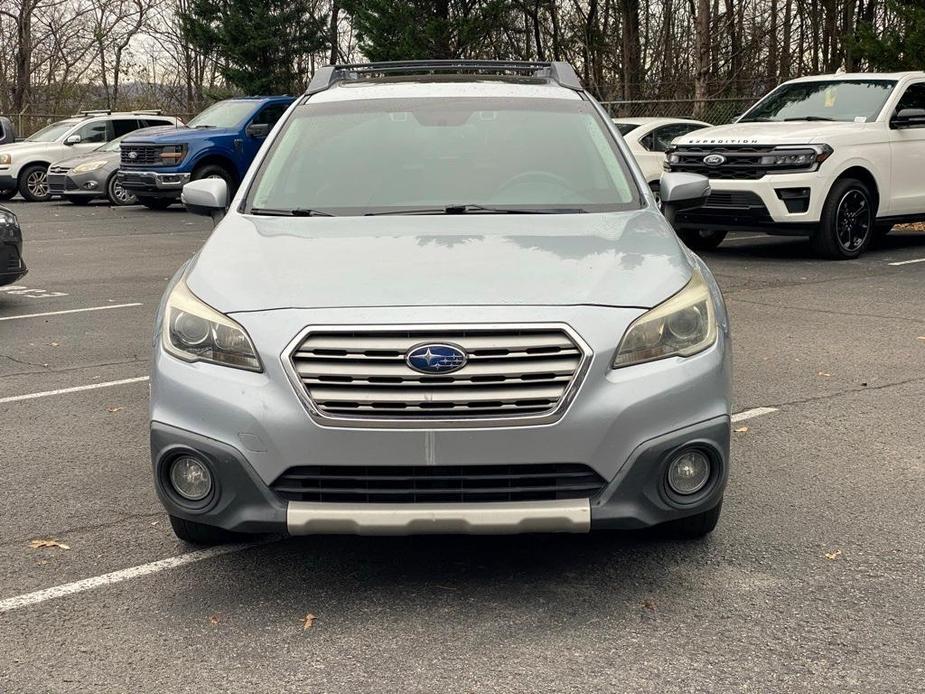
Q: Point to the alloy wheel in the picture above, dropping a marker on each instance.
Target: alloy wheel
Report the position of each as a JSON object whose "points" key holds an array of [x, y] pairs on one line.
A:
{"points": [[37, 184], [853, 220]]}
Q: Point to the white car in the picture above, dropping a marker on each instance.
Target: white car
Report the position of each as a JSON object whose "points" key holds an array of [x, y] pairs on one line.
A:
{"points": [[837, 158], [649, 138], [24, 165]]}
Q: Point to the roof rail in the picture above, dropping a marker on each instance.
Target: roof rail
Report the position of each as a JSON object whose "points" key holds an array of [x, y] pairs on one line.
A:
{"points": [[560, 72], [94, 112], [148, 112]]}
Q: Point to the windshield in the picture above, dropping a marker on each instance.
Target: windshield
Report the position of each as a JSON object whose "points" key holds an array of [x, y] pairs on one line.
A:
{"points": [[849, 100], [425, 155], [224, 114], [625, 127], [52, 132], [113, 145]]}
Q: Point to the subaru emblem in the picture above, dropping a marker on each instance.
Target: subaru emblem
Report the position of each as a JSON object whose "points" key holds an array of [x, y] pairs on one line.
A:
{"points": [[714, 160], [436, 358]]}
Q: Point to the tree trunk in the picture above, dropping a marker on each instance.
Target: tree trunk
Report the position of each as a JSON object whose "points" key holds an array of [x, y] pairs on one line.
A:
{"points": [[701, 55], [632, 49], [332, 33]]}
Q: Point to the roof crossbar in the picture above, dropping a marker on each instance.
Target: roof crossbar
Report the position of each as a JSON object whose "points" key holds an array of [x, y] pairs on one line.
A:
{"points": [[560, 72]]}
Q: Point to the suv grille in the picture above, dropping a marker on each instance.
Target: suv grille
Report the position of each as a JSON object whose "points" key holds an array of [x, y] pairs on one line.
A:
{"points": [[511, 371], [437, 483], [742, 161], [145, 155]]}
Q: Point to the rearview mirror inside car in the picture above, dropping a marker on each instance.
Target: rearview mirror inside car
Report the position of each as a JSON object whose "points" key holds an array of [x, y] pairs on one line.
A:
{"points": [[208, 197]]}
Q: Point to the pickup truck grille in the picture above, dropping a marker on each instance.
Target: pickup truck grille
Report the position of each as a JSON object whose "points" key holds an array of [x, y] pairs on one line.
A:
{"points": [[144, 155], [742, 161], [408, 484], [510, 372]]}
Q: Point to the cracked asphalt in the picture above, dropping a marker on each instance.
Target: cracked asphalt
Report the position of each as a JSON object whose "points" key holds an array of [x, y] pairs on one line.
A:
{"points": [[813, 581]]}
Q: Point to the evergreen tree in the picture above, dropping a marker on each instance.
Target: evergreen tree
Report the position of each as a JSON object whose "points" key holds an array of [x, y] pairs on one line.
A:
{"points": [[258, 43], [900, 47]]}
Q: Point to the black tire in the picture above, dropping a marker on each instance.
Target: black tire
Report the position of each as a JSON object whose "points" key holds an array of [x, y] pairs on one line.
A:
{"points": [[200, 533], [117, 195], [8, 193], [216, 171], [81, 201], [694, 527], [847, 224], [702, 239], [33, 183], [156, 203]]}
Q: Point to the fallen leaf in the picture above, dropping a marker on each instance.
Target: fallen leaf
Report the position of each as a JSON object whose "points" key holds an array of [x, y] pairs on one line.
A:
{"points": [[40, 544], [824, 374], [649, 604], [114, 409], [53, 344], [154, 522], [922, 338], [215, 619], [308, 621], [832, 556], [741, 430]]}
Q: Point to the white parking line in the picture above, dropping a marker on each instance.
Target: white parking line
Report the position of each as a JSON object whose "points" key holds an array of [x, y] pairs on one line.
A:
{"points": [[908, 262], [75, 389], [754, 412], [38, 596], [72, 310]]}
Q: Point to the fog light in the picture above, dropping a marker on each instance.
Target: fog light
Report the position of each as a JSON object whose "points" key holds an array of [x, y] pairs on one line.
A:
{"points": [[90, 185], [190, 478], [689, 472]]}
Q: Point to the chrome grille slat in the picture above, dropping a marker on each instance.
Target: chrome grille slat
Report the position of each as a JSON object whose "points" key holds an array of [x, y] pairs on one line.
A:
{"points": [[350, 373]]}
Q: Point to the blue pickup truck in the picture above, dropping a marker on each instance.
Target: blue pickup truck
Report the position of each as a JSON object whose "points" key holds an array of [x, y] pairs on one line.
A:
{"points": [[220, 142]]}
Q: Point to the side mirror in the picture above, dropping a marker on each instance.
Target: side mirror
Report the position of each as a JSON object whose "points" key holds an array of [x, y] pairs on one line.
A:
{"points": [[72, 140], [682, 191], [908, 118], [257, 130], [207, 196]]}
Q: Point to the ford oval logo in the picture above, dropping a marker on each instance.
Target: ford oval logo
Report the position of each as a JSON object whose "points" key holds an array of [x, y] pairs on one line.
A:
{"points": [[714, 160], [133, 155], [436, 358]]}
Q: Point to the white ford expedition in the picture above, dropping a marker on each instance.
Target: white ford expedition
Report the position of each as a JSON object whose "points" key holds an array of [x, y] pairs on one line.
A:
{"points": [[838, 158]]}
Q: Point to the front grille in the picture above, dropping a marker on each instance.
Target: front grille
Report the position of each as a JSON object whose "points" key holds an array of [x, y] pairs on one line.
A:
{"points": [[743, 162], [511, 372], [144, 155], [741, 199], [408, 484], [57, 182], [57, 169], [13, 261]]}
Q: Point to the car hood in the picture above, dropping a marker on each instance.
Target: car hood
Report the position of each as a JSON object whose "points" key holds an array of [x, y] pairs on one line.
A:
{"points": [[108, 157], [171, 135], [790, 133], [615, 259], [24, 147]]}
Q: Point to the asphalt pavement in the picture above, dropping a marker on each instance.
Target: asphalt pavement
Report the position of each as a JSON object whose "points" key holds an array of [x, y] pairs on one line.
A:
{"points": [[813, 581]]}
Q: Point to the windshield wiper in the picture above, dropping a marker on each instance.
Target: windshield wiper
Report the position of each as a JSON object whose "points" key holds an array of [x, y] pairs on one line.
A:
{"points": [[757, 119], [811, 118], [294, 212], [477, 209]]}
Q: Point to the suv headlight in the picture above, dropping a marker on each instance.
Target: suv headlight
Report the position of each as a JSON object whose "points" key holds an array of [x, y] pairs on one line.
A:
{"points": [[796, 157], [679, 327], [89, 166], [194, 331], [173, 154], [6, 159]]}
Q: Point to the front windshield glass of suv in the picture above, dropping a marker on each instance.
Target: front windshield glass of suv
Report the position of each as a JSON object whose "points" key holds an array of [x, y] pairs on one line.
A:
{"points": [[52, 132], [848, 100], [420, 156], [112, 145], [224, 114]]}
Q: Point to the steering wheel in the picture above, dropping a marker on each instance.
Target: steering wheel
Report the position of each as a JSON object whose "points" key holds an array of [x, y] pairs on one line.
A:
{"points": [[526, 176]]}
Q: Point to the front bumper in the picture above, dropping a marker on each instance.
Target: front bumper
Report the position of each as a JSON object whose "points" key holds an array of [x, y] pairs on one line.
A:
{"points": [[7, 180], [12, 266], [153, 184], [624, 424], [70, 185], [762, 205]]}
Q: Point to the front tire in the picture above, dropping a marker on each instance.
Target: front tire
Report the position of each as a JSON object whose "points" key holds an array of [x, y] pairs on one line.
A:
{"points": [[33, 183], [155, 203], [216, 171], [694, 527], [702, 239], [200, 533], [118, 195], [847, 225]]}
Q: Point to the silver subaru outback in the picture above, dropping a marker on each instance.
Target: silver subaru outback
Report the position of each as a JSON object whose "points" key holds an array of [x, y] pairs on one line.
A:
{"points": [[443, 300]]}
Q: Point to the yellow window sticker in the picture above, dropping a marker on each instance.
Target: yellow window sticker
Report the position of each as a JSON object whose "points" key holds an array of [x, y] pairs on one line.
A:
{"points": [[830, 97]]}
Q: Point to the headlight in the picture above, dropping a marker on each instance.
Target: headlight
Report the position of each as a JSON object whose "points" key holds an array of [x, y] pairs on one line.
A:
{"points": [[681, 326], [193, 331], [89, 166], [173, 154], [6, 159], [9, 226], [796, 157]]}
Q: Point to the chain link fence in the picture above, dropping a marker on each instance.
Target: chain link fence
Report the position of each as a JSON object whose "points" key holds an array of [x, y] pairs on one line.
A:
{"points": [[715, 111]]}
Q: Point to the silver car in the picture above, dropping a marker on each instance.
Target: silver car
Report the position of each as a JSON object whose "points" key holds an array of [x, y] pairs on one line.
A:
{"points": [[443, 300], [90, 176]]}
